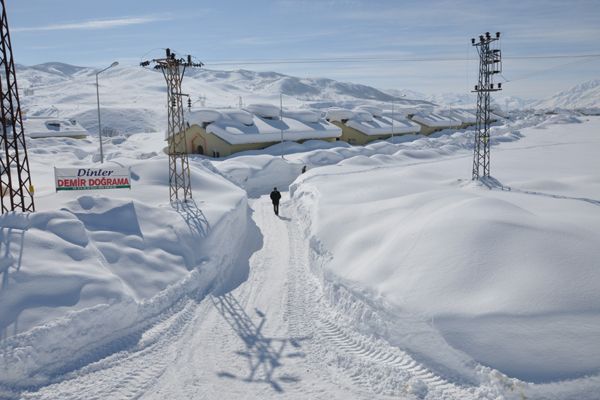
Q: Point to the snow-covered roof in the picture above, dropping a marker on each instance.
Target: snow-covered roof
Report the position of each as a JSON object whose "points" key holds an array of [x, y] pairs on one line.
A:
{"points": [[464, 116], [42, 127], [361, 115], [383, 125], [240, 126], [373, 110], [241, 116], [338, 114], [371, 120], [589, 110], [303, 115], [202, 116], [264, 110], [498, 113], [404, 110], [435, 120]]}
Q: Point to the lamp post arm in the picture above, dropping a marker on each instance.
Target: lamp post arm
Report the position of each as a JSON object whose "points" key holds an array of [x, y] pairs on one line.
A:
{"points": [[114, 64]]}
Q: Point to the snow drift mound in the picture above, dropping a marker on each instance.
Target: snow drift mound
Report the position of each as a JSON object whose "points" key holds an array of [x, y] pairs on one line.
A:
{"points": [[121, 120], [510, 278], [83, 276]]}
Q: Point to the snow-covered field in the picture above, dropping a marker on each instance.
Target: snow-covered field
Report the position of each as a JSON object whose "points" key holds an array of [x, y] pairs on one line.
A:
{"points": [[389, 273]]}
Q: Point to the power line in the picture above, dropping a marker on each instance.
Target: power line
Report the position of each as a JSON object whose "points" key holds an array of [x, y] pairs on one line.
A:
{"points": [[542, 71], [384, 60]]}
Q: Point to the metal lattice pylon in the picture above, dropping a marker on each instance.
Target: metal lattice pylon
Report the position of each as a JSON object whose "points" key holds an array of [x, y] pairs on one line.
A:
{"points": [[16, 189], [490, 63], [173, 70]]}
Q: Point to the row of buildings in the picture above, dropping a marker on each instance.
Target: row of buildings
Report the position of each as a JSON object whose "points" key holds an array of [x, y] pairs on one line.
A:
{"points": [[222, 132]]}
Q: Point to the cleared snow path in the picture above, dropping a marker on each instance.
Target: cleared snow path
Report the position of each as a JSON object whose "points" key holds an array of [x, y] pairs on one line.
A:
{"points": [[273, 335], [224, 345], [242, 348]]}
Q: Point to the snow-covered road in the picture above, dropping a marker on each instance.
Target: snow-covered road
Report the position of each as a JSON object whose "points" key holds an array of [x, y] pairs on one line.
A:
{"points": [[244, 343], [272, 335], [243, 346]]}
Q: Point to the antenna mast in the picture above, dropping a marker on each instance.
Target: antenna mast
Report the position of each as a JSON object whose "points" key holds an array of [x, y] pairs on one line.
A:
{"points": [[173, 69], [16, 189], [490, 63]]}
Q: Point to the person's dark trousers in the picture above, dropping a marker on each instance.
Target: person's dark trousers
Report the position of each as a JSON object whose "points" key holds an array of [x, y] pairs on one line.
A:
{"points": [[276, 208]]}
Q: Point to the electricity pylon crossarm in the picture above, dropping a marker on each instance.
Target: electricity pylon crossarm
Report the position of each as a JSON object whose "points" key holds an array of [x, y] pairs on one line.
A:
{"points": [[173, 70], [16, 189], [490, 64]]}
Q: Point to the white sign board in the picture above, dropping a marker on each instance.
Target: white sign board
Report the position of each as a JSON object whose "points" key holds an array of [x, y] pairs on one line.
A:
{"points": [[92, 178]]}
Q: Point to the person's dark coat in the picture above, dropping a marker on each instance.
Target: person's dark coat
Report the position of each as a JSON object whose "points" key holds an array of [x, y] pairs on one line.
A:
{"points": [[275, 196]]}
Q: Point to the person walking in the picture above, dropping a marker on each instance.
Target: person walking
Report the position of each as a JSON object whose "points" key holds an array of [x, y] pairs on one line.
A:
{"points": [[275, 197]]}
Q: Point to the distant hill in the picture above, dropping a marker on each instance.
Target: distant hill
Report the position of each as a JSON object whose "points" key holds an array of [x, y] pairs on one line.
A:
{"points": [[133, 98], [309, 89], [238, 82], [62, 69], [584, 95]]}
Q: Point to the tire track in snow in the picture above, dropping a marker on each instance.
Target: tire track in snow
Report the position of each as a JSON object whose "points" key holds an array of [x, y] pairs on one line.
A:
{"points": [[333, 355], [243, 348], [370, 363], [125, 374]]}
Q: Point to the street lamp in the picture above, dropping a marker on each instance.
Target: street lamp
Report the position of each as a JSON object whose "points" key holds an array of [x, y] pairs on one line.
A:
{"points": [[98, 99]]}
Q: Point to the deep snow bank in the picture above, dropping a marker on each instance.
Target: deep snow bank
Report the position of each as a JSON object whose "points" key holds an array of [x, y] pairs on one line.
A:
{"points": [[258, 171], [88, 269], [509, 277]]}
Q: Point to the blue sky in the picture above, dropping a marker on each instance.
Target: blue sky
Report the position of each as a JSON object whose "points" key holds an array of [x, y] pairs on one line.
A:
{"points": [[232, 34]]}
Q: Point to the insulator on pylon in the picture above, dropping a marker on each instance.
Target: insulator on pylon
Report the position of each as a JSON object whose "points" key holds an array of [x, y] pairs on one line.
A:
{"points": [[179, 172]]}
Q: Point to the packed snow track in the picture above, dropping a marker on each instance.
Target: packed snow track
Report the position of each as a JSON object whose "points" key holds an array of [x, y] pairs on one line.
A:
{"points": [[273, 334]]}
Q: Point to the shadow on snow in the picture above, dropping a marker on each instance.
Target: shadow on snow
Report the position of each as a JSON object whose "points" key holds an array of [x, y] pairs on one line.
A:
{"points": [[263, 354]]}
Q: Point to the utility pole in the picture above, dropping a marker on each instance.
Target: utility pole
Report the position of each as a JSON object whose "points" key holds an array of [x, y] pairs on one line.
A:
{"points": [[490, 63], [281, 120], [16, 189], [114, 64], [392, 119], [173, 69]]}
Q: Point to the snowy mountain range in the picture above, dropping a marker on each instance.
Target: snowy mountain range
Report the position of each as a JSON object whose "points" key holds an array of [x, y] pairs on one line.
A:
{"points": [[139, 94], [584, 95]]}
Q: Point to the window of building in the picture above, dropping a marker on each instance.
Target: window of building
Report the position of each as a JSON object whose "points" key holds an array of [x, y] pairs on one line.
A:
{"points": [[53, 126]]}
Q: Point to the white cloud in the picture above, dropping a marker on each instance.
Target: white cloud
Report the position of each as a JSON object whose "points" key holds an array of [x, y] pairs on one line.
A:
{"points": [[93, 24]]}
